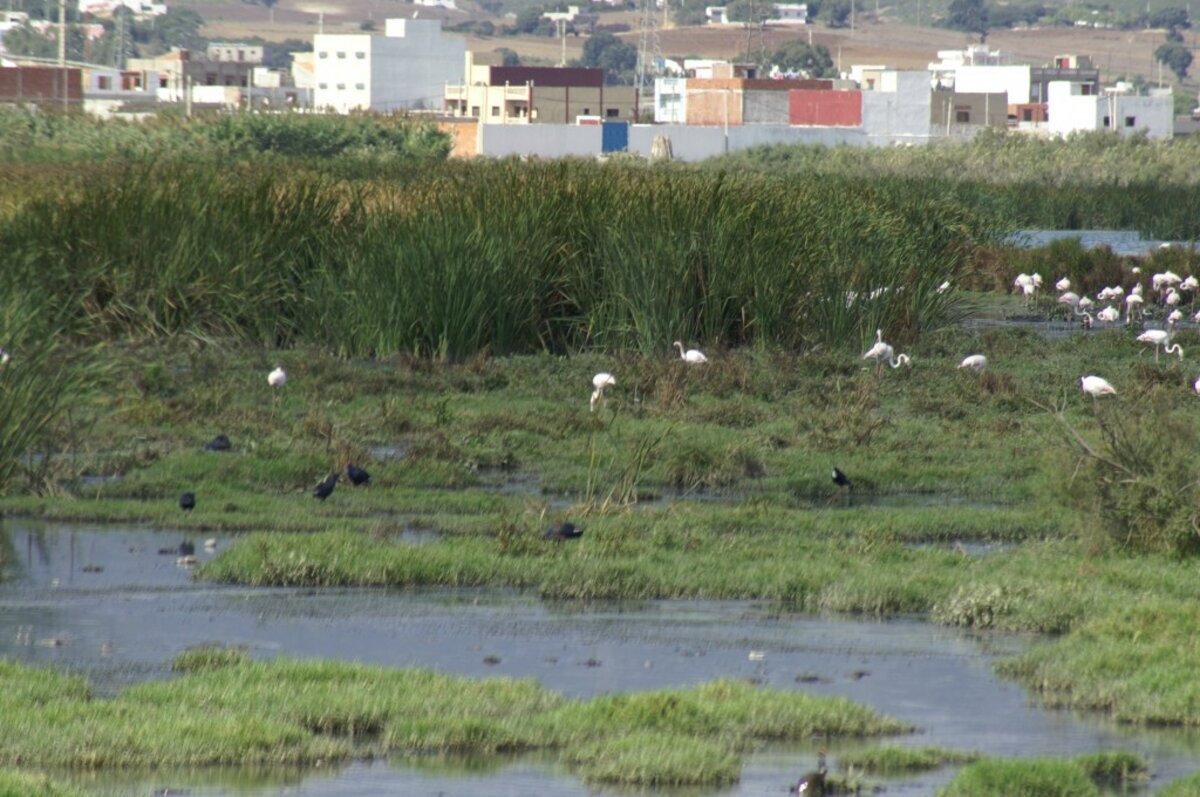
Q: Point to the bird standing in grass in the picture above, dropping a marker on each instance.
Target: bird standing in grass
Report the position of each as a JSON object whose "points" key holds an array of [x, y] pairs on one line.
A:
{"points": [[563, 530], [975, 362], [1161, 339], [357, 475], [600, 381], [325, 488], [884, 353], [1096, 386], [693, 356], [278, 377], [218, 443], [841, 479], [187, 502]]}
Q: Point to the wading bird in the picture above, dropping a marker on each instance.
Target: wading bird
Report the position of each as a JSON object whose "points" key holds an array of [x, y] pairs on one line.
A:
{"points": [[1062, 285], [278, 377], [600, 381], [1161, 339], [563, 531], [325, 489], [884, 353], [841, 479], [1096, 386], [975, 362], [693, 356], [812, 783], [4, 357], [187, 502], [357, 475]]}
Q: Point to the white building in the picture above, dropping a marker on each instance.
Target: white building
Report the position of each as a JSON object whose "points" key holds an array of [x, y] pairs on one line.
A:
{"points": [[670, 100], [105, 8], [900, 108], [785, 14], [406, 68], [1071, 109], [1015, 79]]}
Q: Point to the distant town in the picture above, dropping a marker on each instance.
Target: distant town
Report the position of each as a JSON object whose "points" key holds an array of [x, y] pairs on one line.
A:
{"points": [[687, 109]]}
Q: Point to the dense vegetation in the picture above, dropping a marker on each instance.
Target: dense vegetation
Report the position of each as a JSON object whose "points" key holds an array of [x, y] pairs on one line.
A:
{"points": [[441, 323]]}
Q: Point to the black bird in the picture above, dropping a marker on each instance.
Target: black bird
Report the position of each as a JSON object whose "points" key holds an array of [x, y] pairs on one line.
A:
{"points": [[218, 443], [563, 531], [187, 502], [812, 783], [187, 548], [325, 488], [841, 479], [357, 475]]}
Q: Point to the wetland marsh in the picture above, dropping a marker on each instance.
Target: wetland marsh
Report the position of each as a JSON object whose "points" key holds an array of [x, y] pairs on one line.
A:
{"points": [[1011, 575]]}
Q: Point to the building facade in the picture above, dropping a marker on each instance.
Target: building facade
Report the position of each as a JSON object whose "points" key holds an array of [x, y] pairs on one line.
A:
{"points": [[496, 94], [407, 68]]}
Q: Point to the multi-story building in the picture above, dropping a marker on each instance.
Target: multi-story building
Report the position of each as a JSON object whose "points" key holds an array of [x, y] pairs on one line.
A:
{"points": [[407, 67], [496, 94], [1074, 106], [235, 51], [179, 71]]}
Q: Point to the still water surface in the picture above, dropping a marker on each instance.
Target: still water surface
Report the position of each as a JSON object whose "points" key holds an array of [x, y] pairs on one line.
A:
{"points": [[134, 609]]}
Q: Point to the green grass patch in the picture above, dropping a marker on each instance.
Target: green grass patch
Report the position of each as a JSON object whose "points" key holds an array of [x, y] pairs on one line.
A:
{"points": [[1028, 778], [14, 783], [892, 760], [302, 713]]}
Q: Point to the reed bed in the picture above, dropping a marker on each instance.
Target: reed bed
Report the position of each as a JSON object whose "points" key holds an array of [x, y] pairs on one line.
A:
{"points": [[501, 257]]}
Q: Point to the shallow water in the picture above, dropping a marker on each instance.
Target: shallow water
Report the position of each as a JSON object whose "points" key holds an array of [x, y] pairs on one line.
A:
{"points": [[125, 619]]}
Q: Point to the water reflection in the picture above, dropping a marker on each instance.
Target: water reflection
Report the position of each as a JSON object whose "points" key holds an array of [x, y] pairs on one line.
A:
{"points": [[126, 620]]}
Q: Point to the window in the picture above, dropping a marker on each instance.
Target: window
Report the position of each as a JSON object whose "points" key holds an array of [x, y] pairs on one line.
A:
{"points": [[322, 54], [962, 117], [360, 86], [341, 87], [341, 55], [587, 111], [1087, 89], [1107, 122], [495, 110], [1130, 121], [210, 78], [1027, 115], [474, 110], [360, 55], [612, 113], [322, 86]]}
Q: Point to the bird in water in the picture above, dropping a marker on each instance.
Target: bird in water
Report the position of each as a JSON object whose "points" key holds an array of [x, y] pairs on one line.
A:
{"points": [[357, 475], [325, 488], [218, 443], [278, 377], [187, 502], [694, 356], [187, 548], [563, 530], [841, 479], [812, 783]]}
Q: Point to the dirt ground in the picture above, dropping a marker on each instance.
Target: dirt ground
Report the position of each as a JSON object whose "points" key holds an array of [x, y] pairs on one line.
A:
{"points": [[1117, 53]]}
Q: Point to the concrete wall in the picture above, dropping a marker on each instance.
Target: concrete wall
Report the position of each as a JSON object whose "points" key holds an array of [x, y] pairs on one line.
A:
{"points": [[900, 111], [1013, 80], [825, 108], [543, 141], [560, 105], [713, 105], [765, 108]]}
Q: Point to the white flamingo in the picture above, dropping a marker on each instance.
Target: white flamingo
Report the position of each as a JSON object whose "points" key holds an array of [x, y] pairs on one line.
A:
{"points": [[600, 381], [974, 362], [1096, 386], [693, 356], [1161, 338], [278, 377], [1109, 314], [1063, 284], [884, 353]]}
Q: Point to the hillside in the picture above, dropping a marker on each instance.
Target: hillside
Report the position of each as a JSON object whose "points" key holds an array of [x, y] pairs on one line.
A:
{"points": [[1117, 53]]}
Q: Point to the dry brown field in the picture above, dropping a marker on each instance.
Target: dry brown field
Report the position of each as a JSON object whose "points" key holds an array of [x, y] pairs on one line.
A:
{"points": [[1117, 53]]}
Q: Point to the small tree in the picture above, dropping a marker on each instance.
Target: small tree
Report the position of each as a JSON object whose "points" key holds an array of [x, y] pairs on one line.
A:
{"points": [[810, 60], [835, 13], [970, 16], [1176, 56]]}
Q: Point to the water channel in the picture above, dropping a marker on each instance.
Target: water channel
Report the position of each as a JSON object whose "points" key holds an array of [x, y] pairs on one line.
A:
{"points": [[106, 603]]}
